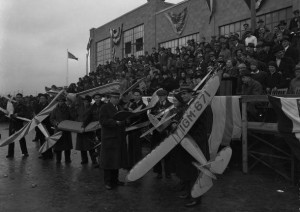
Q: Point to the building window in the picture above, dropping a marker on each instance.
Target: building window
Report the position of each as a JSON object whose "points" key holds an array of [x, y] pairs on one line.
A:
{"points": [[271, 20], [103, 51], [180, 42], [134, 41]]}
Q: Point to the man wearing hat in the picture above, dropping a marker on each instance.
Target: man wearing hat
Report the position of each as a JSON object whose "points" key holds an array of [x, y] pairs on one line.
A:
{"points": [[60, 113], [84, 141], [295, 22], [246, 28], [15, 124], [283, 27], [94, 112], [289, 50], [134, 142], [256, 73], [250, 86], [189, 173], [43, 102], [157, 137], [236, 45], [260, 24], [113, 154], [285, 65]]}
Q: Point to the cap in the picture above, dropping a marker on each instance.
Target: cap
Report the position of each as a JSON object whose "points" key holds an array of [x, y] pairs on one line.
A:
{"points": [[61, 98], [282, 23], [253, 62], [277, 48], [178, 97], [114, 94], [162, 92], [251, 45], [88, 98], [260, 21], [97, 94], [44, 95], [286, 38], [272, 63], [242, 65], [245, 73], [296, 11], [245, 24], [186, 88]]}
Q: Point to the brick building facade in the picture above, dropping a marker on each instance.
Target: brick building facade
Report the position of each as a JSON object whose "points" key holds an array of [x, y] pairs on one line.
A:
{"points": [[148, 26]]}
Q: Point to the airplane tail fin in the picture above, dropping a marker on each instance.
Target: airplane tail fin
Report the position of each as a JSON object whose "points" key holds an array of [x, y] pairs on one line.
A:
{"points": [[153, 119]]}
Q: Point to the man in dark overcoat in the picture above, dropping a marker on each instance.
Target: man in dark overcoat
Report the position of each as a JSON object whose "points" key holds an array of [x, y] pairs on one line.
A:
{"points": [[112, 155], [15, 124], [157, 137], [188, 172], [60, 113], [133, 139], [43, 102]]}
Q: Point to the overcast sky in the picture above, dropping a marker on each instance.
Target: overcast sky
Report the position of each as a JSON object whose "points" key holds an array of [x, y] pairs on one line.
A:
{"points": [[35, 36]]}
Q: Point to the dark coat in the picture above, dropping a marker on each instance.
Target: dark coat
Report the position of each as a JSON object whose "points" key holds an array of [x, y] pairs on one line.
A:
{"points": [[113, 155], [252, 88], [185, 170], [84, 141], [93, 115], [133, 140], [20, 110], [286, 67], [273, 80], [61, 113], [293, 53]]}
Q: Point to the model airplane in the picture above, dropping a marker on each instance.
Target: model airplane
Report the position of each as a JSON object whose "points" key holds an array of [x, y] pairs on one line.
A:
{"points": [[47, 110], [180, 136], [123, 115]]}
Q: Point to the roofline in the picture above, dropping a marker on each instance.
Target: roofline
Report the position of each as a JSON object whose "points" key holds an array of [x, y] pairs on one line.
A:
{"points": [[124, 15], [174, 5]]}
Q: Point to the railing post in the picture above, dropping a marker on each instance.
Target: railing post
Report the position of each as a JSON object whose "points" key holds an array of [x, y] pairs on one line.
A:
{"points": [[244, 136]]}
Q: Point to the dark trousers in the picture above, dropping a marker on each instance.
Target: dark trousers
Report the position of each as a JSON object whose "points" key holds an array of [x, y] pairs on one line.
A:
{"points": [[48, 153], [84, 156], [111, 176], [11, 147], [67, 155], [167, 165]]}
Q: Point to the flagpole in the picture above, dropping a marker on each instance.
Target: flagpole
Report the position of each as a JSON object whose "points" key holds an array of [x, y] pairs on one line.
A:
{"points": [[67, 69], [87, 63]]}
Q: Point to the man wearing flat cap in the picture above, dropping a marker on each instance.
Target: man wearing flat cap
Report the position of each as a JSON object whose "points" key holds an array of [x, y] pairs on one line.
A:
{"points": [[186, 171], [43, 102], [250, 86], [112, 155], [295, 22], [283, 27], [60, 113], [94, 112], [157, 137]]}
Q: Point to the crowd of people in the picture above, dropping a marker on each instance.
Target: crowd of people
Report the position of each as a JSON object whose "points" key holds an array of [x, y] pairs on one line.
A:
{"points": [[252, 64]]}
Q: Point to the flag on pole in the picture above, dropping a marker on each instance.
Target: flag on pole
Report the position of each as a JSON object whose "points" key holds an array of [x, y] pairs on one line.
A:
{"points": [[211, 7], [71, 56]]}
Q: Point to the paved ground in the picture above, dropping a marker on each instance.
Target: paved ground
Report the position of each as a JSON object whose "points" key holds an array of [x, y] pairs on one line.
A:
{"points": [[31, 184]]}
